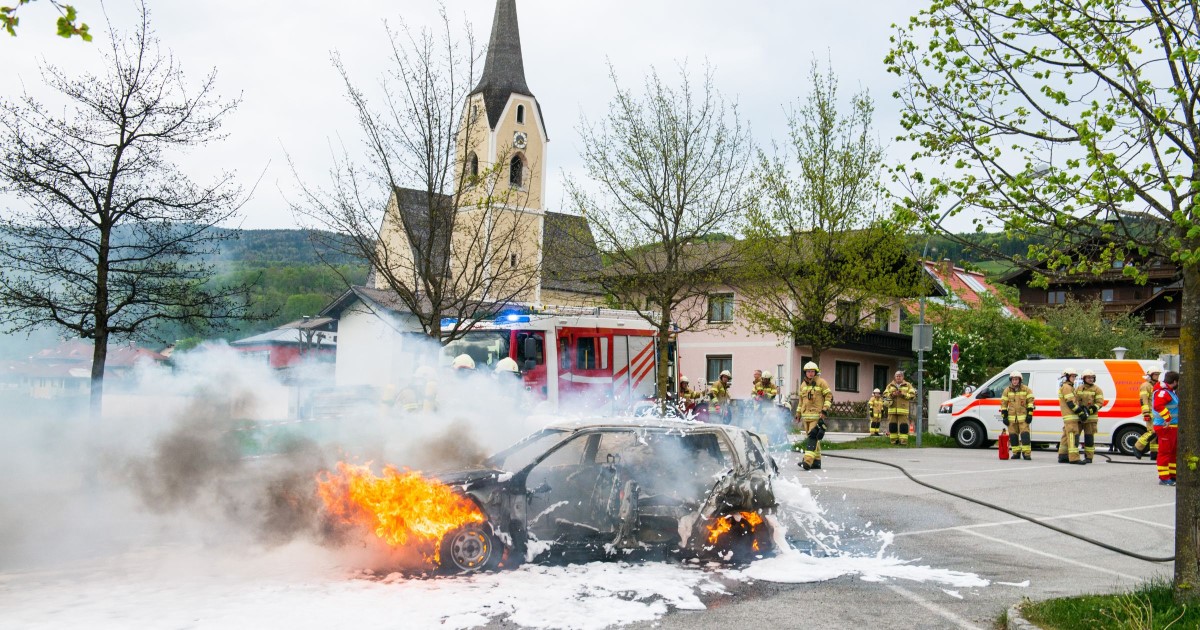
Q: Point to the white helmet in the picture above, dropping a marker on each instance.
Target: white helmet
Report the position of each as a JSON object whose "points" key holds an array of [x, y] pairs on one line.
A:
{"points": [[684, 379], [811, 366], [1070, 372], [1016, 375], [767, 375], [507, 364], [1154, 370], [463, 362], [875, 391], [725, 373], [1087, 373]]}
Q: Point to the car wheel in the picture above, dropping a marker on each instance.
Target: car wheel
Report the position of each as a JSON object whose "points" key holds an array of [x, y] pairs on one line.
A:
{"points": [[1126, 438], [970, 434], [468, 549]]}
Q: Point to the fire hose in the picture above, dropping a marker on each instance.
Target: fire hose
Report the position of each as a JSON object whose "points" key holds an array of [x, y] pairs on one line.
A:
{"points": [[1023, 517]]}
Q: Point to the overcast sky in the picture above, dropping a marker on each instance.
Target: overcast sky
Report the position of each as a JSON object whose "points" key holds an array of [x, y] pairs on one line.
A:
{"points": [[275, 53]]}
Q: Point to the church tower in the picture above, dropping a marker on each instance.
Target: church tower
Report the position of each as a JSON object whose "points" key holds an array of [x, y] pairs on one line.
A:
{"points": [[504, 139]]}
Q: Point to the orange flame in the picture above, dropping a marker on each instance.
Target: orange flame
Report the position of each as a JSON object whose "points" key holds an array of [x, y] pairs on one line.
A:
{"points": [[722, 525], [398, 506]]}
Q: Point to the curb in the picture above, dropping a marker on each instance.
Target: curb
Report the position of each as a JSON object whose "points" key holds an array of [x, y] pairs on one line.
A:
{"points": [[1016, 621]]}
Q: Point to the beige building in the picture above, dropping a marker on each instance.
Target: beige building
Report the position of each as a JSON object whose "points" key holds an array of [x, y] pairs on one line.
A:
{"points": [[497, 240]]}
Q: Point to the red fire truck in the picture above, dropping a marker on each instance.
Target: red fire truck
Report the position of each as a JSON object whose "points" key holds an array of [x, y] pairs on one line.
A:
{"points": [[598, 359]]}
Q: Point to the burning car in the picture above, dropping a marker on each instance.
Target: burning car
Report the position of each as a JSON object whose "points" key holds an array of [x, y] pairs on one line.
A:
{"points": [[615, 488]]}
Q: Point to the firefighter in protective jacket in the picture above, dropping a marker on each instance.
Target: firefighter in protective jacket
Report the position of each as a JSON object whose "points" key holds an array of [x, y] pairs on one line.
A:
{"points": [[1016, 412], [811, 410], [1091, 399], [719, 391], [1072, 414], [1149, 439], [876, 407], [897, 395]]}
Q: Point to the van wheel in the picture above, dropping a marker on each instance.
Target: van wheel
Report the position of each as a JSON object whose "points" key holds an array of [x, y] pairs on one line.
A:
{"points": [[1126, 438], [970, 434]]}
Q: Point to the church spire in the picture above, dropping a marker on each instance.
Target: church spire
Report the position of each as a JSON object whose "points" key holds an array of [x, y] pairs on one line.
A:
{"points": [[504, 69]]}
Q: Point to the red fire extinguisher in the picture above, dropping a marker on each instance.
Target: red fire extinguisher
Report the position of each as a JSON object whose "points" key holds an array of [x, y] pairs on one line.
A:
{"points": [[1004, 445]]}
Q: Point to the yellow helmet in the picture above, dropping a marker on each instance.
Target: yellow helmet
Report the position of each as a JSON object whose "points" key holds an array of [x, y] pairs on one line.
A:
{"points": [[811, 366]]}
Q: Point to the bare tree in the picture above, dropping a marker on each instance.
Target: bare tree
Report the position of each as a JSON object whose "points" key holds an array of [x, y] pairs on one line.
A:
{"points": [[440, 227], [668, 175], [112, 237], [823, 253]]}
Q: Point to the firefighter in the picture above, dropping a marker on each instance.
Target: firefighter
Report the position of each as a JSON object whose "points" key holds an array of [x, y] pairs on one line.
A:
{"points": [[764, 397], [719, 391], [812, 409], [876, 407], [1016, 412], [897, 396], [419, 393], [1165, 411], [463, 362], [1072, 414], [1149, 439], [757, 381], [1091, 398], [687, 396], [506, 368]]}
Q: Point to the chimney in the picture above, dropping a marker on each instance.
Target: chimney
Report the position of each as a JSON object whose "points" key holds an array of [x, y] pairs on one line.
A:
{"points": [[945, 268]]}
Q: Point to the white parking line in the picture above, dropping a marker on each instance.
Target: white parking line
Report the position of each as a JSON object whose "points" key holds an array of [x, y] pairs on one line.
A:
{"points": [[1017, 521], [1054, 557], [934, 608], [989, 471], [1138, 520]]}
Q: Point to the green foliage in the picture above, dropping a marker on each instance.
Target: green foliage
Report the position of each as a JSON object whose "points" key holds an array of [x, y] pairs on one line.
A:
{"points": [[988, 336], [928, 440], [66, 25], [1079, 329], [1149, 607], [818, 249]]}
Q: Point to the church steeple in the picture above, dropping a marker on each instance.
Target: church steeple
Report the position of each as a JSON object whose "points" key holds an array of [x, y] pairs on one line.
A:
{"points": [[504, 69]]}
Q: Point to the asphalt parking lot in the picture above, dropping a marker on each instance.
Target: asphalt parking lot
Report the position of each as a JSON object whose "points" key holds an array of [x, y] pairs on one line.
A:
{"points": [[1118, 504]]}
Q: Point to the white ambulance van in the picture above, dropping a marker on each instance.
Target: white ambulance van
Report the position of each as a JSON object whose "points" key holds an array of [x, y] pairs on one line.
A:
{"points": [[974, 419]]}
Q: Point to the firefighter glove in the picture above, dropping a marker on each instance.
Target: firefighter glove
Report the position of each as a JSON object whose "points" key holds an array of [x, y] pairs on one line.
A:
{"points": [[823, 416]]}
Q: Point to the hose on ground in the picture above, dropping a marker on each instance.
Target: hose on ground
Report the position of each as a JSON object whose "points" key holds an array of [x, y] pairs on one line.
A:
{"points": [[993, 506], [1110, 460]]}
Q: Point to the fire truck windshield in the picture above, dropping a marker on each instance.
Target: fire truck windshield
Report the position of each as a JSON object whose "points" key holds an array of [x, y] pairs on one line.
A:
{"points": [[486, 347]]}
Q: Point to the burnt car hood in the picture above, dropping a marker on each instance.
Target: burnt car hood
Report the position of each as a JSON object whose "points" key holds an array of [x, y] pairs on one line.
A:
{"points": [[472, 477]]}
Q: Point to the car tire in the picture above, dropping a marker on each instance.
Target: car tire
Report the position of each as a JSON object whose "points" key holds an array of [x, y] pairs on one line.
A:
{"points": [[969, 433], [1126, 437], [469, 549]]}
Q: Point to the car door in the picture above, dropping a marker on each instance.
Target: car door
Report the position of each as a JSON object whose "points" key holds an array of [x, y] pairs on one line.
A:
{"points": [[575, 493]]}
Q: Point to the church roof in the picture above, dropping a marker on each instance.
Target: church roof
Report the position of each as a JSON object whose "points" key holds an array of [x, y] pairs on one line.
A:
{"points": [[504, 68], [569, 255]]}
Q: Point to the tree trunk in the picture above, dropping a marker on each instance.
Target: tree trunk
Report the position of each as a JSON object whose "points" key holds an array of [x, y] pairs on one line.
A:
{"points": [[1187, 492], [99, 357], [664, 342]]}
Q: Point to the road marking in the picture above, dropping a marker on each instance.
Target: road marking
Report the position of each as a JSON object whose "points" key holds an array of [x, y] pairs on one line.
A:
{"points": [[1138, 520], [1018, 521], [1058, 558], [932, 607], [944, 474]]}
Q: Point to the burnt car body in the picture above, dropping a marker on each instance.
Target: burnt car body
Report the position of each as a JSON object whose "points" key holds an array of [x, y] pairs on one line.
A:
{"points": [[611, 488]]}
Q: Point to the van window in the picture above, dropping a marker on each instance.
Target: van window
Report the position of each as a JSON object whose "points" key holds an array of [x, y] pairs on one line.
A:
{"points": [[995, 388]]}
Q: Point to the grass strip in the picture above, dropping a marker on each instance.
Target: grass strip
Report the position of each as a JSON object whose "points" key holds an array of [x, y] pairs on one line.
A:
{"points": [[1149, 607]]}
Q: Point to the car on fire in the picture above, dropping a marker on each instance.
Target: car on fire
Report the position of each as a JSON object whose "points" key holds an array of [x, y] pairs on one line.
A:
{"points": [[638, 487]]}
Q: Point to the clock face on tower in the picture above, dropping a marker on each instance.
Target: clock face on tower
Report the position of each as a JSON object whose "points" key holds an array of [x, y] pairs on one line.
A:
{"points": [[520, 139]]}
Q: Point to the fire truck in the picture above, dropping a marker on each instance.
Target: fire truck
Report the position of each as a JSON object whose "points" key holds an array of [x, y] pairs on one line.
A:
{"points": [[601, 360]]}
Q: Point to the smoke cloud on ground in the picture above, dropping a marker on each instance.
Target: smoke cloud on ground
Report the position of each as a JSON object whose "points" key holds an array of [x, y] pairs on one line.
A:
{"points": [[211, 452]]}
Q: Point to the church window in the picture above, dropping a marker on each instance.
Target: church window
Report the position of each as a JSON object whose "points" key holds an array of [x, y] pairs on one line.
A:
{"points": [[516, 170], [521, 114], [512, 260], [473, 165]]}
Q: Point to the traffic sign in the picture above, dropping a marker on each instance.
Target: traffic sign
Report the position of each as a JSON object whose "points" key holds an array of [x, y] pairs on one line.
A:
{"points": [[954, 371], [954, 353]]}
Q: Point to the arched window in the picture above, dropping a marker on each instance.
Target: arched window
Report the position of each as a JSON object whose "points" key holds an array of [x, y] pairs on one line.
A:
{"points": [[473, 165], [521, 114], [516, 171]]}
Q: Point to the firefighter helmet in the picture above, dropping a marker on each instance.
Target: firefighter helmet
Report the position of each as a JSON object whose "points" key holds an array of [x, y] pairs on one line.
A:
{"points": [[1154, 370], [463, 362], [507, 365], [875, 391], [684, 379], [811, 366], [725, 373], [767, 375], [1070, 372], [1087, 373], [1016, 375]]}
